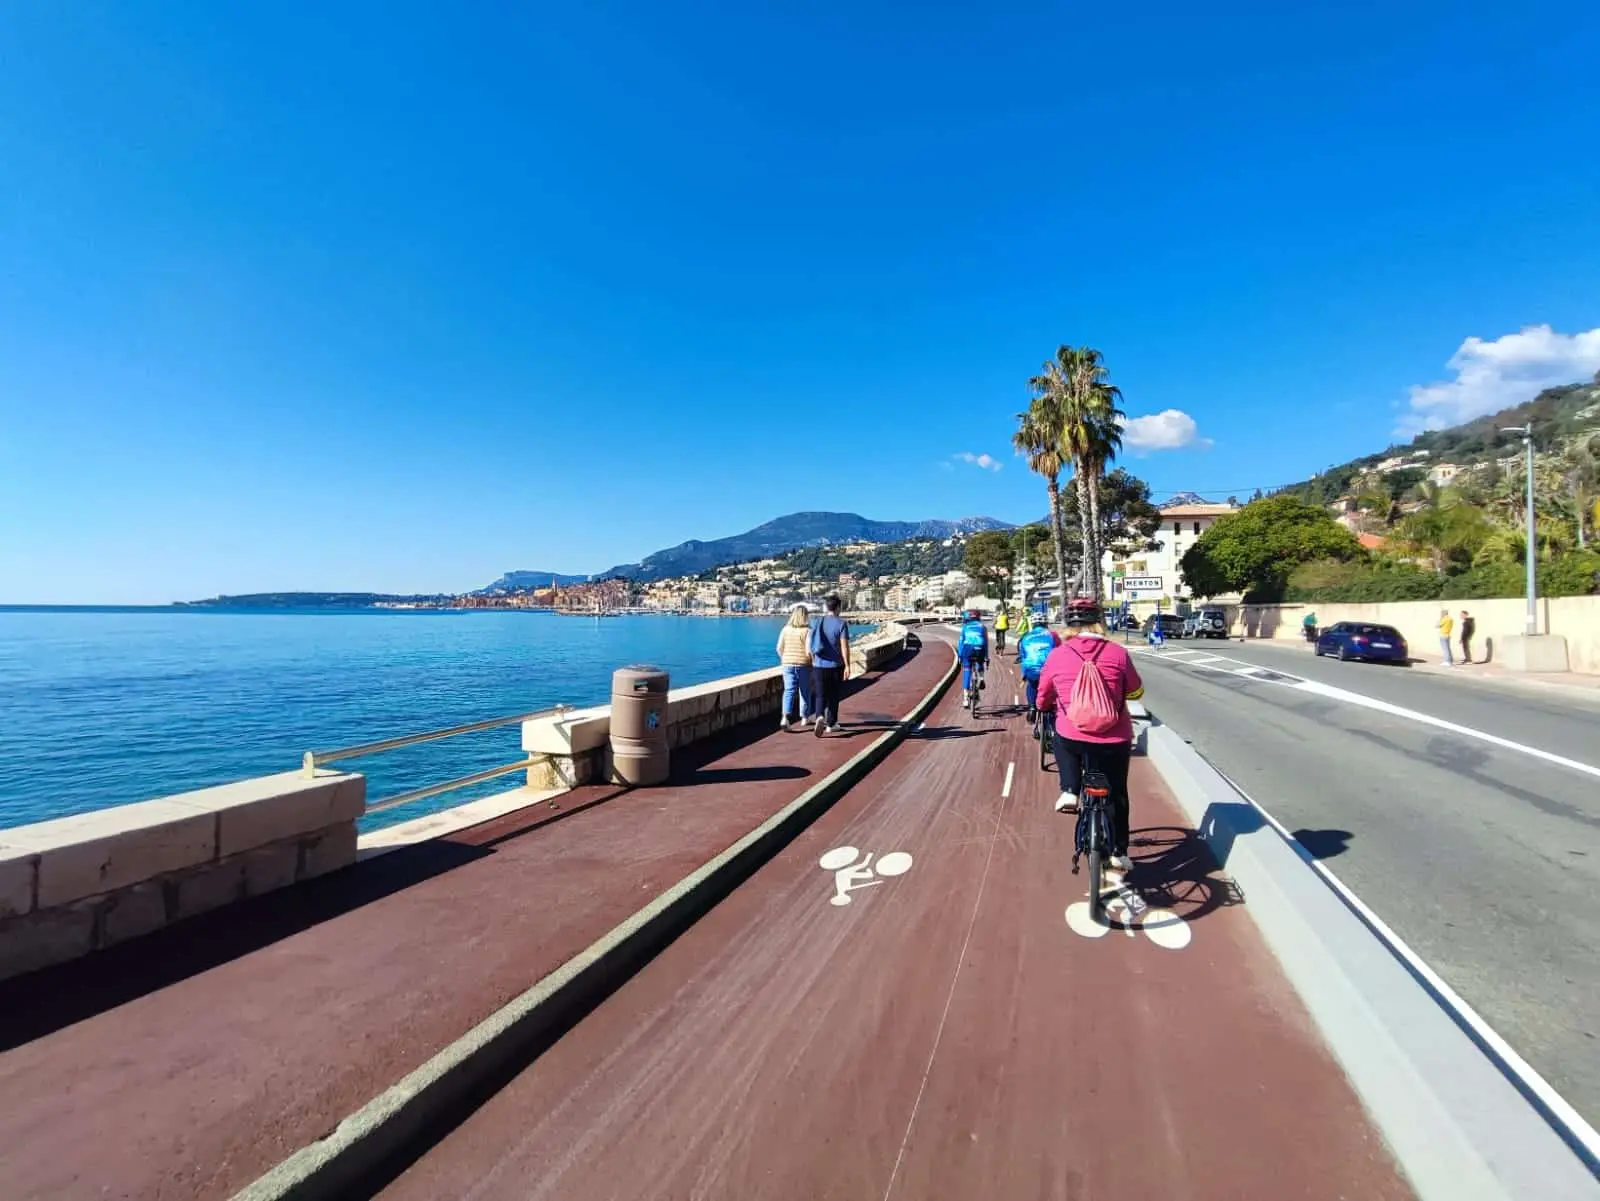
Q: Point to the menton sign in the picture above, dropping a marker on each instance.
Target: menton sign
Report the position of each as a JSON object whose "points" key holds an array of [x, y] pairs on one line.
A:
{"points": [[1142, 583]]}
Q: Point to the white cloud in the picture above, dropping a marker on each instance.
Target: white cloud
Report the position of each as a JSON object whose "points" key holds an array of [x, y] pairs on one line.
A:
{"points": [[987, 462], [1491, 376], [1170, 429]]}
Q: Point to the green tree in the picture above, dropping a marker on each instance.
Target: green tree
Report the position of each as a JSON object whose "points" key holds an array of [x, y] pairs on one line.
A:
{"points": [[989, 560], [1255, 549]]}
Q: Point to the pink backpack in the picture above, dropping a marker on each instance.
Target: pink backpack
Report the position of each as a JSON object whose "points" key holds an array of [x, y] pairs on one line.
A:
{"points": [[1092, 709]]}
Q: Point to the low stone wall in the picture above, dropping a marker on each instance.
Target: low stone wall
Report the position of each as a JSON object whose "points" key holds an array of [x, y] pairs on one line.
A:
{"points": [[77, 884], [1576, 618], [573, 748]]}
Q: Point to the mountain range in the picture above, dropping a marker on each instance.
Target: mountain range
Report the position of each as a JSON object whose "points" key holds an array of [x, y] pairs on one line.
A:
{"points": [[796, 531]]}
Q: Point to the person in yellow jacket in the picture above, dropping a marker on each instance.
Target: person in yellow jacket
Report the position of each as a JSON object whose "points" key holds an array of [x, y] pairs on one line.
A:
{"points": [[1447, 626], [1002, 623]]}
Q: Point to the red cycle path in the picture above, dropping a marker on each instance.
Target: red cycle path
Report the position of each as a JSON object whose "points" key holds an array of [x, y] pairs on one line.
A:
{"points": [[185, 1064], [945, 1034]]}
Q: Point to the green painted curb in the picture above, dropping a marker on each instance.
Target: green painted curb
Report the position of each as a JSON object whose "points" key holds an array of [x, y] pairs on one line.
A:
{"points": [[376, 1134]]}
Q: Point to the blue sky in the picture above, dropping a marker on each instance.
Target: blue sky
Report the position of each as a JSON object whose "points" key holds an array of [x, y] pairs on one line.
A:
{"points": [[400, 296]]}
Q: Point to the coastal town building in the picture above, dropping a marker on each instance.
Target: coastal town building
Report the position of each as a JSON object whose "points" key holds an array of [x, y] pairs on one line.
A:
{"points": [[1145, 578]]}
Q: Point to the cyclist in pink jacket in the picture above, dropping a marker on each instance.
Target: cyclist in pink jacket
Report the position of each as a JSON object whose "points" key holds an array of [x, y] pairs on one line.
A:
{"points": [[1086, 648]]}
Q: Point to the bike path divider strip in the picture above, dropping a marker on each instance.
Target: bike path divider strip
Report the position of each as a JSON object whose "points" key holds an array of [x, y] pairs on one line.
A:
{"points": [[383, 1131], [1463, 1123]]}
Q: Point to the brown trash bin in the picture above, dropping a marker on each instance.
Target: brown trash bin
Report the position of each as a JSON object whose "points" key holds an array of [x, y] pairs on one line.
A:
{"points": [[639, 753]]}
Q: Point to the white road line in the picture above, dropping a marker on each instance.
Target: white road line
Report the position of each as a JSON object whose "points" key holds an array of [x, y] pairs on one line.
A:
{"points": [[1316, 687], [1427, 719], [1207, 659], [1011, 768], [1526, 1076]]}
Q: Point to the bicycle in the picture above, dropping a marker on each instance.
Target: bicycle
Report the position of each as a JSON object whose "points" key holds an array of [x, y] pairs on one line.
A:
{"points": [[1044, 730], [975, 689], [1092, 837]]}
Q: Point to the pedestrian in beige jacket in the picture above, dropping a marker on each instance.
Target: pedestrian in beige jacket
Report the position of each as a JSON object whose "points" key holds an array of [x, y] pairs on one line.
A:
{"points": [[794, 652]]}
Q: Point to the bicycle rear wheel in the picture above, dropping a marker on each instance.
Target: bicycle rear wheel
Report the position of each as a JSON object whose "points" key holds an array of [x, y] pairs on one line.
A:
{"points": [[1096, 882], [1045, 729]]}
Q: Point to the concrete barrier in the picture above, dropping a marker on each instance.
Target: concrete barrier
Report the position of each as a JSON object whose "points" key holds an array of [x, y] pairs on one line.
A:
{"points": [[1466, 1121], [76, 884]]}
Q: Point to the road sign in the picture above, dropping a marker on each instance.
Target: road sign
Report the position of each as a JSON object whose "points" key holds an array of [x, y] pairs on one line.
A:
{"points": [[1143, 583]]}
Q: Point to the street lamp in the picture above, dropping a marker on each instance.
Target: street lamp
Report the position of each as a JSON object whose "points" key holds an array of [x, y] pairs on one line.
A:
{"points": [[1526, 431]]}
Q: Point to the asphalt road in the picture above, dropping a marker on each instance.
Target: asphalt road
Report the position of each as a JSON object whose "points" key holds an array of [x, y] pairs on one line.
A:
{"points": [[1483, 857]]}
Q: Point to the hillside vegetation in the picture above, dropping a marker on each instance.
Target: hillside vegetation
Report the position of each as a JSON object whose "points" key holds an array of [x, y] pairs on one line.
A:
{"points": [[1443, 518]]}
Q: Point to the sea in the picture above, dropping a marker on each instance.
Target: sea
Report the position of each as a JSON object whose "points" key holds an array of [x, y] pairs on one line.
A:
{"points": [[105, 706]]}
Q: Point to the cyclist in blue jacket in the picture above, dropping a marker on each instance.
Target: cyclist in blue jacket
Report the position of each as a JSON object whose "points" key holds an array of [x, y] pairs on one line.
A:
{"points": [[1033, 648], [973, 647]]}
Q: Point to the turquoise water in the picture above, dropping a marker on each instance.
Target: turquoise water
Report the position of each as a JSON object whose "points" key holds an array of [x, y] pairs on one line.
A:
{"points": [[102, 707]]}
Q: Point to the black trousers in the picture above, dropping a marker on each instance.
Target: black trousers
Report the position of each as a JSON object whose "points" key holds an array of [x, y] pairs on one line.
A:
{"points": [[1073, 758], [826, 685]]}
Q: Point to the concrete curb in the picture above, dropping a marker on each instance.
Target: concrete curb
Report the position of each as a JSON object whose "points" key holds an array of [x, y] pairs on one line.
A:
{"points": [[1458, 1124], [375, 1135]]}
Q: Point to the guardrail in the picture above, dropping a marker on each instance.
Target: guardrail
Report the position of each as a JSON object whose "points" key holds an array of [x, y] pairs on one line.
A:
{"points": [[315, 759]]}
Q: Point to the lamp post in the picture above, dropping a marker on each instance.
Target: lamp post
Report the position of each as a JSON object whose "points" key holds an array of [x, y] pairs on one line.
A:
{"points": [[1527, 440]]}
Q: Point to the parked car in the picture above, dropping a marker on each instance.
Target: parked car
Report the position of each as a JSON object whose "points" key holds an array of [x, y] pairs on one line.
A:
{"points": [[1211, 623], [1362, 640], [1191, 625], [1171, 624]]}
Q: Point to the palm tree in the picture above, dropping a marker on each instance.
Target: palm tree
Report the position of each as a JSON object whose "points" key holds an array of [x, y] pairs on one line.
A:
{"points": [[1038, 439], [1091, 436]]}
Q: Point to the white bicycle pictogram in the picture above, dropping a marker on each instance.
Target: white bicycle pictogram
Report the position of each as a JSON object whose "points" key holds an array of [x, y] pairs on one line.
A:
{"points": [[849, 876], [1132, 914]]}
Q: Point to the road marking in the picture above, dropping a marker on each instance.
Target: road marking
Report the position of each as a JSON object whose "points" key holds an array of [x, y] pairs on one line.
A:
{"points": [[1005, 791], [850, 876], [1571, 1125], [1271, 675], [1427, 719], [1133, 914]]}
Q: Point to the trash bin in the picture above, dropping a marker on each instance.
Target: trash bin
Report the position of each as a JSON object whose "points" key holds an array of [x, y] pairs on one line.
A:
{"points": [[639, 754]]}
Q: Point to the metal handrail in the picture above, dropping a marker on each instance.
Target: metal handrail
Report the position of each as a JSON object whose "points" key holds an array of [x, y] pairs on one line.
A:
{"points": [[417, 794], [315, 759]]}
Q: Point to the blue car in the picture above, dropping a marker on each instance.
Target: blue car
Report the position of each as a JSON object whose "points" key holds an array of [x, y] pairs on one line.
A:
{"points": [[1362, 640]]}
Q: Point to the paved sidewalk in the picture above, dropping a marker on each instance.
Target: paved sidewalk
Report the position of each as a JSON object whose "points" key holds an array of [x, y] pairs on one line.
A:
{"points": [[945, 1025], [185, 1064]]}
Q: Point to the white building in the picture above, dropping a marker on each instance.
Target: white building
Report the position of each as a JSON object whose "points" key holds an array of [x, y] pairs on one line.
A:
{"points": [[1145, 577]]}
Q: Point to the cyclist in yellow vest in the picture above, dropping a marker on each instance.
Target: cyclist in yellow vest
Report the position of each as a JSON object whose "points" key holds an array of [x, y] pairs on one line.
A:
{"points": [[1002, 623]]}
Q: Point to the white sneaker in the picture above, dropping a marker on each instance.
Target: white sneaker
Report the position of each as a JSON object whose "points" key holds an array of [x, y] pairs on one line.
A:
{"points": [[1067, 802], [1121, 863], [785, 725]]}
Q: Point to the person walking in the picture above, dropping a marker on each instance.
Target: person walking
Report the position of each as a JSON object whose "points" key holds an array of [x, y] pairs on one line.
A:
{"points": [[830, 665], [1002, 623], [1086, 648], [1469, 627], [1446, 627], [794, 653]]}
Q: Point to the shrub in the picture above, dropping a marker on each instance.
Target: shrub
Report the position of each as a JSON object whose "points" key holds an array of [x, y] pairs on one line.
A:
{"points": [[1330, 580]]}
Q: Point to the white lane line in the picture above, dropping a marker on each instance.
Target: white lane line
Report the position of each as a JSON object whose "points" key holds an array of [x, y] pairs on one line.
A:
{"points": [[1427, 719], [1207, 659], [1300, 683], [1005, 790], [1525, 1075]]}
